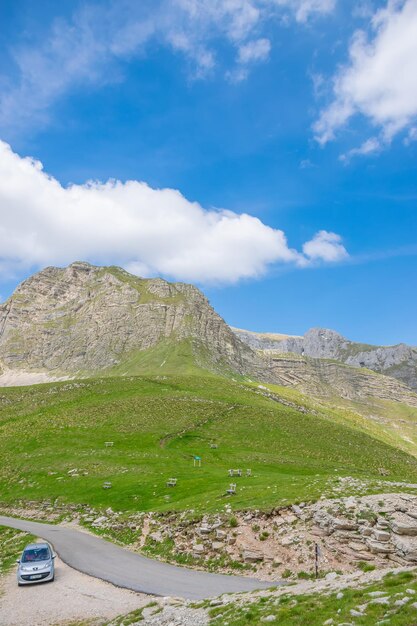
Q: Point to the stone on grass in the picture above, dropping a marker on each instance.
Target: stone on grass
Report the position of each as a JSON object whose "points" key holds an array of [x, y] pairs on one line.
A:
{"points": [[384, 600]]}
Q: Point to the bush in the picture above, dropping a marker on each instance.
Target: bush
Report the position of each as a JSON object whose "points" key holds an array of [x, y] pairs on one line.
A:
{"points": [[366, 567]]}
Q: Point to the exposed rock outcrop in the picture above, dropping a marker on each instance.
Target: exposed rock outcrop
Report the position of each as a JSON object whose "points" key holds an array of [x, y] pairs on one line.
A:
{"points": [[86, 319], [330, 379], [398, 361]]}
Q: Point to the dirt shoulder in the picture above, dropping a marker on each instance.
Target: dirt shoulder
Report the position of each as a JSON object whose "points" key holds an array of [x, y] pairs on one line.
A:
{"points": [[71, 597]]}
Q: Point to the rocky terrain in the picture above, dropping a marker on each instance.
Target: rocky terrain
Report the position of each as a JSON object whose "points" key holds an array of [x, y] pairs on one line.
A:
{"points": [[82, 320], [325, 378], [354, 533], [398, 361]]}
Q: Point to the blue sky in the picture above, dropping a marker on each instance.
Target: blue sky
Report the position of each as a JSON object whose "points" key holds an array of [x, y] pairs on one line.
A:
{"points": [[287, 127]]}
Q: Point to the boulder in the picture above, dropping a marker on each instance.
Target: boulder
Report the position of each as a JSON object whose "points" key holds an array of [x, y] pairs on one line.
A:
{"points": [[403, 524], [198, 548], [406, 548], [343, 524], [377, 547], [381, 535], [252, 556]]}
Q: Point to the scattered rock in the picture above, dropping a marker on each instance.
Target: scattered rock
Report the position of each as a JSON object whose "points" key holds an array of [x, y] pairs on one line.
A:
{"points": [[252, 556]]}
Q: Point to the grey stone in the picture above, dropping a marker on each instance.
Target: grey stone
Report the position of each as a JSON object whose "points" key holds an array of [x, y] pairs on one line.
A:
{"points": [[381, 535], [403, 524], [251, 556], [377, 547]]}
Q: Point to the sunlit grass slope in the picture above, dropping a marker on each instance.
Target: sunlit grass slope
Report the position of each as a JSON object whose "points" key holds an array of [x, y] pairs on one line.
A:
{"points": [[157, 424]]}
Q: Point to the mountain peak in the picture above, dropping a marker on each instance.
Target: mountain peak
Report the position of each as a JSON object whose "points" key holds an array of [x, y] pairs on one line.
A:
{"points": [[85, 318]]}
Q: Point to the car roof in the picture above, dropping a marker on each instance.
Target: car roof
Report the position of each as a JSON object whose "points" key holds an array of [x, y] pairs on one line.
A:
{"points": [[36, 546]]}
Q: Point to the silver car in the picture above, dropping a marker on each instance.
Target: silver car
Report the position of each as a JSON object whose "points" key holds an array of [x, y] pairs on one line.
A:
{"points": [[36, 564]]}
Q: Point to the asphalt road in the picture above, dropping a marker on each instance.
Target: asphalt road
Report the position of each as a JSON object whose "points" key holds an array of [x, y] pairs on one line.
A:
{"points": [[102, 559]]}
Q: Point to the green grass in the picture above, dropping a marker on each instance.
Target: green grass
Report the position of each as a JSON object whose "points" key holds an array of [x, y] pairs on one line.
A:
{"points": [[316, 609], [157, 424], [392, 422], [12, 543]]}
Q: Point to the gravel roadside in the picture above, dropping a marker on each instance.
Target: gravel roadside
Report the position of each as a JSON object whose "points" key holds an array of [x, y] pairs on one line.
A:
{"points": [[71, 597]]}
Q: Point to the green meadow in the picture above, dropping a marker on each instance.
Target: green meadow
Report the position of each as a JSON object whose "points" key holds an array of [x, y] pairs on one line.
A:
{"points": [[52, 445], [355, 606]]}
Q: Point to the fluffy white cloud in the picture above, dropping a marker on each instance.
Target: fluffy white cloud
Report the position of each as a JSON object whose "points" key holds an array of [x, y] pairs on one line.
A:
{"points": [[88, 48], [149, 231], [380, 81], [325, 246]]}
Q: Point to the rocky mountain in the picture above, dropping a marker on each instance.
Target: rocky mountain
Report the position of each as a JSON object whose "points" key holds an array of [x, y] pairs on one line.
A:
{"points": [[398, 361], [87, 319]]}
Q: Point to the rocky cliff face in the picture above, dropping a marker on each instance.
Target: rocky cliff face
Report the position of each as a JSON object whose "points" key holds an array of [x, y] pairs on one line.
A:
{"points": [[398, 361], [328, 379], [86, 319]]}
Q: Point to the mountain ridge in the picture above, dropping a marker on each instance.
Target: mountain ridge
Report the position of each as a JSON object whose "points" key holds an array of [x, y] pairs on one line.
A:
{"points": [[85, 320], [398, 361]]}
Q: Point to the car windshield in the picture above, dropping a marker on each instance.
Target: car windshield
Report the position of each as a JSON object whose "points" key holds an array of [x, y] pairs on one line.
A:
{"points": [[35, 554]]}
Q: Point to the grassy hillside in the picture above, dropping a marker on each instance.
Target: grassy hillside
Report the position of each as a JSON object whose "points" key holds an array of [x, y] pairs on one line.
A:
{"points": [[353, 606], [52, 445], [394, 423]]}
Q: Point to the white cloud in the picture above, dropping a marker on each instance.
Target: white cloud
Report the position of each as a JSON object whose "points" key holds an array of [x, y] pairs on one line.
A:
{"points": [[254, 51], [88, 48], [370, 146], [149, 231], [325, 246], [380, 81], [304, 9], [412, 136]]}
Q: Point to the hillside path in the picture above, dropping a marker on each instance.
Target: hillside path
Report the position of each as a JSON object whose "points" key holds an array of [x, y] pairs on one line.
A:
{"points": [[99, 558]]}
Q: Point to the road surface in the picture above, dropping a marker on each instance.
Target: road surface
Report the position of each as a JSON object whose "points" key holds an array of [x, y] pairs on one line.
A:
{"points": [[102, 559]]}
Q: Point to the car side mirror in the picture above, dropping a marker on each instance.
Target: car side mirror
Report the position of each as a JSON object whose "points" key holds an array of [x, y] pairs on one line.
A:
{"points": [[17, 560], [54, 556]]}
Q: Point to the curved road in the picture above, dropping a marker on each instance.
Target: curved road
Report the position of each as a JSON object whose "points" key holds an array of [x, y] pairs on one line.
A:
{"points": [[102, 559]]}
